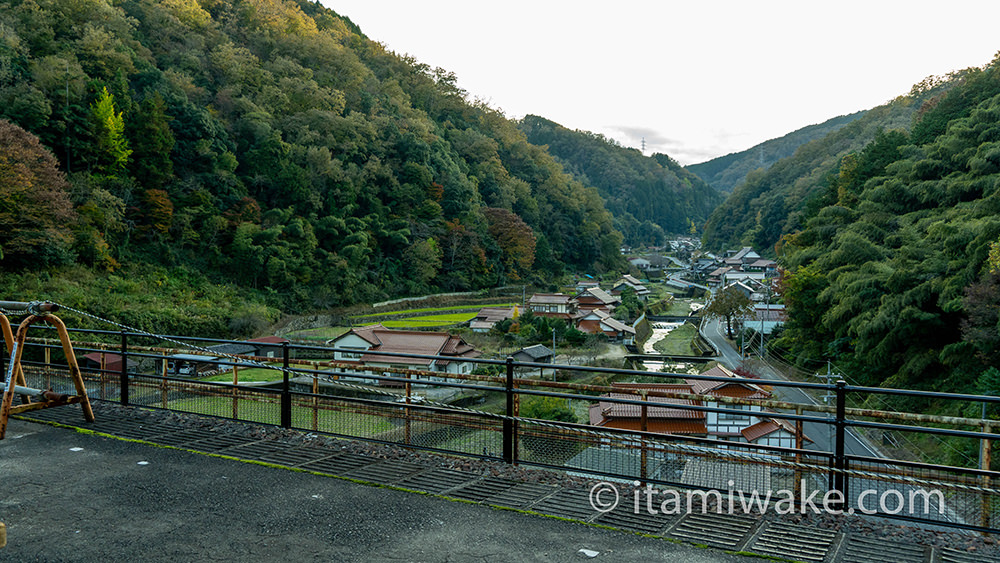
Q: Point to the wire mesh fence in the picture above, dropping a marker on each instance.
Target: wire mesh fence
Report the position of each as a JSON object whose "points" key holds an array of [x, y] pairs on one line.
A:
{"points": [[489, 417]]}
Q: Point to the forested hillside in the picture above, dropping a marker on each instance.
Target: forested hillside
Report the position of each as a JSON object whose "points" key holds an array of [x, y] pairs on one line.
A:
{"points": [[267, 145], [894, 270], [726, 172], [772, 202], [648, 196]]}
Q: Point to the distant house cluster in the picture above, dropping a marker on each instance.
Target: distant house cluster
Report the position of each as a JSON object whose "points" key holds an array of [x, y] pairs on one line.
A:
{"points": [[589, 310], [750, 274], [740, 266], [750, 425], [653, 261]]}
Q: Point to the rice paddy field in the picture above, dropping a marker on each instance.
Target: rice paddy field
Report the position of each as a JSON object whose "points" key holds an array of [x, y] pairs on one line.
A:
{"points": [[440, 318]]}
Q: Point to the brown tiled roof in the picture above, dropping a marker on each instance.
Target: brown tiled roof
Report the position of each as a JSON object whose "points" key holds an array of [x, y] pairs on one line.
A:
{"points": [[269, 340], [725, 388], [763, 428], [563, 316], [621, 410], [415, 342], [367, 333], [660, 426]]}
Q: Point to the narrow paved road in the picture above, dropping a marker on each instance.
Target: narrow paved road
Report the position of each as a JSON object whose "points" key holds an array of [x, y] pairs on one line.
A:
{"points": [[821, 434]]}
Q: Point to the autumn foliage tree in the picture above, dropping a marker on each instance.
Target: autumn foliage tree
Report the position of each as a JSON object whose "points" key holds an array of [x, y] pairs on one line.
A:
{"points": [[515, 239], [35, 210]]}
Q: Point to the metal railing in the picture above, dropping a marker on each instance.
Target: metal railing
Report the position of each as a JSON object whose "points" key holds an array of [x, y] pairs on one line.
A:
{"points": [[479, 415]]}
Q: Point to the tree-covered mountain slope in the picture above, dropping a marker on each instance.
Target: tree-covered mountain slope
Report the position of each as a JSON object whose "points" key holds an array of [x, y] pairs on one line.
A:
{"points": [[772, 202], [726, 172], [649, 196], [894, 272], [269, 145]]}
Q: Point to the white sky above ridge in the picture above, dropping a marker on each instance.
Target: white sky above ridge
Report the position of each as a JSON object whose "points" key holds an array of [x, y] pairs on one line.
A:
{"points": [[696, 79]]}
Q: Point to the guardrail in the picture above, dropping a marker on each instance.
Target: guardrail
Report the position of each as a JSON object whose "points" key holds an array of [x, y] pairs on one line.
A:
{"points": [[480, 415]]}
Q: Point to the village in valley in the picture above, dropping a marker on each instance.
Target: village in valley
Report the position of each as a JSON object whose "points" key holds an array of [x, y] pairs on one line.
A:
{"points": [[618, 321]]}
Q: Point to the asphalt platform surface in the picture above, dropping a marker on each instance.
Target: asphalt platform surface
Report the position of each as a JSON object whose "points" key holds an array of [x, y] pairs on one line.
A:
{"points": [[154, 485], [71, 496]]}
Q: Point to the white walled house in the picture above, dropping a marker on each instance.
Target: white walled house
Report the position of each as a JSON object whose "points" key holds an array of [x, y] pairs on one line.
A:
{"points": [[754, 425], [361, 346]]}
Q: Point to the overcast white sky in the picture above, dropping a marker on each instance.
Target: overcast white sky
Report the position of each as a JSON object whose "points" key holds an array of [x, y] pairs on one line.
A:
{"points": [[698, 78]]}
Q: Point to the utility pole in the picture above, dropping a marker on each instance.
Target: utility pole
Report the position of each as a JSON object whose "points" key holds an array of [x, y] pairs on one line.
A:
{"points": [[553, 352], [827, 395]]}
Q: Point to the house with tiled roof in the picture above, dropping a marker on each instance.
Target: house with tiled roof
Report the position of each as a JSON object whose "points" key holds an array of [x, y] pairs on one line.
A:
{"points": [[665, 418], [378, 347], [628, 281], [741, 257], [487, 317], [717, 276], [728, 425], [769, 267], [751, 425], [598, 321], [553, 305], [596, 298]]}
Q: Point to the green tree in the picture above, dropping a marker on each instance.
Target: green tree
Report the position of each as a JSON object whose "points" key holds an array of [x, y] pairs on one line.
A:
{"points": [[728, 303], [423, 260], [547, 408], [152, 141], [113, 148]]}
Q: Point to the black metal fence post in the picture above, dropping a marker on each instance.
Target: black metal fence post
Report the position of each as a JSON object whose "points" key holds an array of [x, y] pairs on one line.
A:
{"points": [[840, 426], [286, 392], [508, 423], [123, 372]]}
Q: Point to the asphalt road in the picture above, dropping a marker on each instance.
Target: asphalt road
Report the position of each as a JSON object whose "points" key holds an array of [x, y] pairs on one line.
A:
{"points": [[821, 434]]}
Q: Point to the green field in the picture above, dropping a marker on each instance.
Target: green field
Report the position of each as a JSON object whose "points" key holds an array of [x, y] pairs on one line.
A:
{"points": [[268, 412], [678, 342], [429, 321], [432, 310], [438, 317], [247, 375]]}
